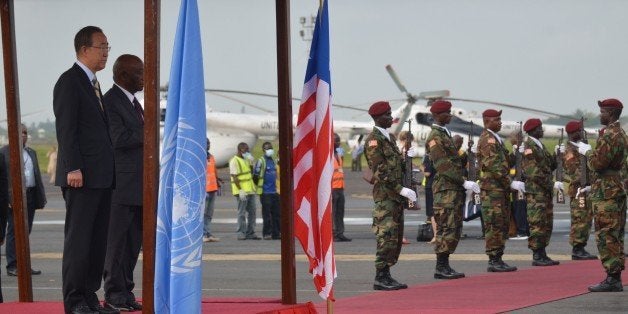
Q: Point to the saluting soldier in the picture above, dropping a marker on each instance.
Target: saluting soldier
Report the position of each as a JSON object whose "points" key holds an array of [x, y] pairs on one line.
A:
{"points": [[608, 196], [386, 163], [538, 165], [494, 164], [448, 188], [581, 214]]}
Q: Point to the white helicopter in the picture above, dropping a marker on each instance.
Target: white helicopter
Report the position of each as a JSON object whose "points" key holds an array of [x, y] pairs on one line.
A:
{"points": [[463, 123]]}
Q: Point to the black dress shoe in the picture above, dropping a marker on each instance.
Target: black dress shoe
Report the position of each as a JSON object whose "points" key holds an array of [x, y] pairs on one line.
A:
{"points": [[82, 309], [107, 309], [134, 306], [35, 272]]}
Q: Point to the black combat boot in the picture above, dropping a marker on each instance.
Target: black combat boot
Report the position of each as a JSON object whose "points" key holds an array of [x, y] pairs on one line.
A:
{"points": [[386, 271], [443, 271], [612, 283], [547, 257], [497, 265], [539, 260], [383, 281], [578, 253]]}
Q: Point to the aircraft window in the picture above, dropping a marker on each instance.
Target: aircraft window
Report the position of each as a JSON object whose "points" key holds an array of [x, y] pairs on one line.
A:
{"points": [[162, 117]]}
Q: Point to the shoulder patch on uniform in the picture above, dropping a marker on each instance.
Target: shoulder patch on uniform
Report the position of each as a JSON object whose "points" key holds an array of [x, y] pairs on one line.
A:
{"points": [[432, 143], [491, 141], [372, 143], [527, 151]]}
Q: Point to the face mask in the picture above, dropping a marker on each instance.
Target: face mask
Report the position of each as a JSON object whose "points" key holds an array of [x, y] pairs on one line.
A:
{"points": [[340, 151], [269, 153], [248, 156]]}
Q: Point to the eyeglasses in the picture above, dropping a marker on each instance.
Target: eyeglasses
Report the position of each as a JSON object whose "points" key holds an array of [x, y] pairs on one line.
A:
{"points": [[103, 48]]}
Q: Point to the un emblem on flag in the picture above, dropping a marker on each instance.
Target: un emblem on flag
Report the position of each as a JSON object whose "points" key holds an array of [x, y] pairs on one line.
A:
{"points": [[182, 199]]}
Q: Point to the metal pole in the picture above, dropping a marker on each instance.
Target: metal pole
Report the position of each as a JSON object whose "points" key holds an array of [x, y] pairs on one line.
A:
{"points": [[20, 222], [288, 272], [151, 149]]}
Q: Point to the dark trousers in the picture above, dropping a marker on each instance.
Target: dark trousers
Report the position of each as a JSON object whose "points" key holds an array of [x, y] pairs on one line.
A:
{"points": [[338, 211], [124, 242], [521, 217], [85, 244], [10, 238], [270, 214]]}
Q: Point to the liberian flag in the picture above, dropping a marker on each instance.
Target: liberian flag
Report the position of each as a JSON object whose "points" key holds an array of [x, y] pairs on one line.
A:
{"points": [[313, 164]]}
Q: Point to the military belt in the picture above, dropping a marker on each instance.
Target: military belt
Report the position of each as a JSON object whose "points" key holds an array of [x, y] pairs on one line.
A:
{"points": [[608, 173]]}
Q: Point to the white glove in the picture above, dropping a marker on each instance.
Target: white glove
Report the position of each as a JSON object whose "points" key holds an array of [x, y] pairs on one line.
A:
{"points": [[518, 185], [242, 195], [558, 186], [522, 148], [586, 189], [470, 185], [474, 148], [412, 152], [560, 148], [583, 148], [408, 193]]}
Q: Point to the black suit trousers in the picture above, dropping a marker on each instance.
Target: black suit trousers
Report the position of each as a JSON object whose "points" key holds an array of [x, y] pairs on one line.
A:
{"points": [[85, 243], [123, 248]]}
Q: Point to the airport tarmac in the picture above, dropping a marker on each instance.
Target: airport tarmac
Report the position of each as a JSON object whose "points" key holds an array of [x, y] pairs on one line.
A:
{"points": [[251, 268]]}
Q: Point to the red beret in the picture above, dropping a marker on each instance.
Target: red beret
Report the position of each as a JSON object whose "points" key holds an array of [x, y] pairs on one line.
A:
{"points": [[491, 113], [572, 126], [531, 124], [440, 106], [379, 108], [610, 103]]}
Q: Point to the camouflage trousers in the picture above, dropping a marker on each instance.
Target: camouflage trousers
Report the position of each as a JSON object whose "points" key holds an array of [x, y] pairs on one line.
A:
{"points": [[388, 229], [541, 219], [496, 216], [448, 216], [581, 217], [610, 221]]}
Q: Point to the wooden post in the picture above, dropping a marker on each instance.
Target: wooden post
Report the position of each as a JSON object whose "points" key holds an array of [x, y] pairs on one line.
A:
{"points": [[20, 221], [288, 272], [151, 149]]}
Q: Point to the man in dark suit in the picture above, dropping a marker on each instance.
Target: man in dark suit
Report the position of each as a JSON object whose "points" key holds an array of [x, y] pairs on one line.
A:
{"points": [[126, 125], [35, 198], [85, 171]]}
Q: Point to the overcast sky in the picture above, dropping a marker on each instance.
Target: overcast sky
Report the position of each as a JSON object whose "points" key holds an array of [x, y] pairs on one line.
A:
{"points": [[556, 55]]}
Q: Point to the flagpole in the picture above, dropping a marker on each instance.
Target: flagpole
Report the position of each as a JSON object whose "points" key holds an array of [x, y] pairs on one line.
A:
{"points": [[330, 302], [288, 265], [151, 149]]}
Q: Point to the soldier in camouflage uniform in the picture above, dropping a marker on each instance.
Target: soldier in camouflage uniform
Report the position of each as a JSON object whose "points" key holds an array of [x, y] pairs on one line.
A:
{"points": [[386, 163], [608, 196], [448, 188], [538, 165], [581, 214], [494, 163]]}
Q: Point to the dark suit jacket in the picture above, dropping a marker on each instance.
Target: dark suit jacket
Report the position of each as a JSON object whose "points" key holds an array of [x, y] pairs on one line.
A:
{"points": [[127, 136], [40, 194], [82, 132]]}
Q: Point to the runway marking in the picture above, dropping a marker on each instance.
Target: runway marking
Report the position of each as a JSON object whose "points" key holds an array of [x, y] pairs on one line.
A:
{"points": [[343, 257]]}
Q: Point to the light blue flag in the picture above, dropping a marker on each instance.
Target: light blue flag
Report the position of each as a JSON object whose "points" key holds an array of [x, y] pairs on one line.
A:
{"points": [[182, 174]]}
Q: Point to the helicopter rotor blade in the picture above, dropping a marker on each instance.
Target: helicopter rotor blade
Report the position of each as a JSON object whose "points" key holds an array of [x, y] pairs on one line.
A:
{"points": [[501, 104], [410, 98], [246, 103]]}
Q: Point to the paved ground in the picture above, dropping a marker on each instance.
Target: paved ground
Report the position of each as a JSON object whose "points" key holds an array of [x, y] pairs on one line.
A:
{"points": [[235, 268]]}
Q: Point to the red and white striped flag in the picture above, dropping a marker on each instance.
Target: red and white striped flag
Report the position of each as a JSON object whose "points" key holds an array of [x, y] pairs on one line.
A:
{"points": [[313, 164]]}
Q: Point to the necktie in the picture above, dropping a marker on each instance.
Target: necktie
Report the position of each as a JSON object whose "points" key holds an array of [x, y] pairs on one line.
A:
{"points": [[97, 91], [138, 110]]}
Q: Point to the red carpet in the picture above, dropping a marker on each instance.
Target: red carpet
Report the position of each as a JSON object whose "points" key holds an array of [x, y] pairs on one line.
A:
{"points": [[485, 293], [482, 293]]}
